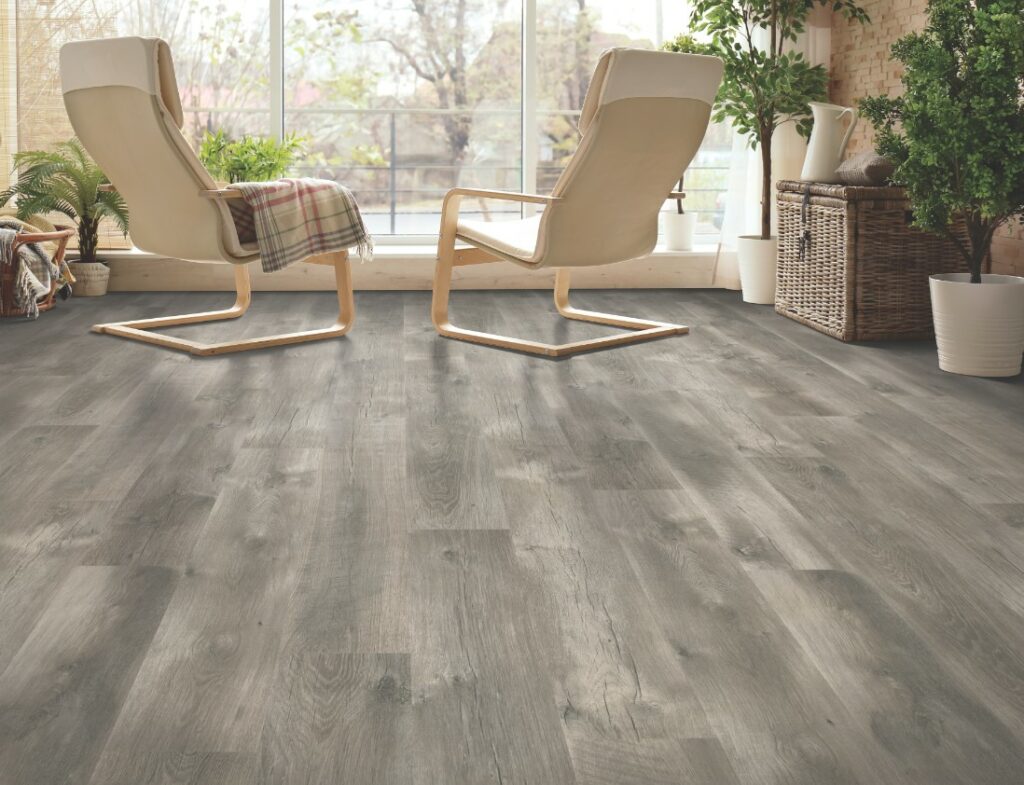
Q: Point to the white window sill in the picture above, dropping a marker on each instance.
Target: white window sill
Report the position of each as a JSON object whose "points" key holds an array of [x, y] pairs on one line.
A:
{"points": [[411, 268], [427, 252]]}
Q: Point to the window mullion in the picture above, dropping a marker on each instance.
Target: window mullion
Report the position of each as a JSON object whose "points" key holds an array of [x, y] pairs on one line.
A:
{"points": [[529, 102], [8, 88], [277, 68]]}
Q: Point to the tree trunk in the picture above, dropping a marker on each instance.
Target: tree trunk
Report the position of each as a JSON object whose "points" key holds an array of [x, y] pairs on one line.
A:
{"points": [[447, 73], [87, 239], [977, 260], [765, 137], [979, 233]]}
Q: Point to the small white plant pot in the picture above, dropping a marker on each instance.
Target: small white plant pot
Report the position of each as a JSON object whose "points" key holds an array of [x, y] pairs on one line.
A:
{"points": [[90, 278], [758, 261], [979, 327], [679, 230]]}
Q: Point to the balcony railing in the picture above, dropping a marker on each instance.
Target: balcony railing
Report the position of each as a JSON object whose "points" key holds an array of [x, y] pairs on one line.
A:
{"points": [[401, 194]]}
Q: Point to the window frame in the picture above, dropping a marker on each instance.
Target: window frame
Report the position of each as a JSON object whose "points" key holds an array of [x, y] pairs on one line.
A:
{"points": [[528, 102]]}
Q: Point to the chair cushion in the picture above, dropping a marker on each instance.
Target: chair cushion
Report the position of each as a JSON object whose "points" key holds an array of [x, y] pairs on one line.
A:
{"points": [[515, 240]]}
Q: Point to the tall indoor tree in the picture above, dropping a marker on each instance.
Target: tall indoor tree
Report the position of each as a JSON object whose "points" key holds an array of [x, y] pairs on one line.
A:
{"points": [[957, 132], [957, 137], [766, 82]]}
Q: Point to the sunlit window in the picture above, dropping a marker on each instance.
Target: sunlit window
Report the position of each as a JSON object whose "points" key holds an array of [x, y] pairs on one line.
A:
{"points": [[399, 100]]}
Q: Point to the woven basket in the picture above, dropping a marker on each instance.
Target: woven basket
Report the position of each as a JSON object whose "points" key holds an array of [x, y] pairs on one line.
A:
{"points": [[850, 264], [90, 279], [54, 240]]}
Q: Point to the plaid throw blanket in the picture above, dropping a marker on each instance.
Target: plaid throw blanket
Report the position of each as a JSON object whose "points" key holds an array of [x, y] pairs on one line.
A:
{"points": [[35, 269], [292, 220]]}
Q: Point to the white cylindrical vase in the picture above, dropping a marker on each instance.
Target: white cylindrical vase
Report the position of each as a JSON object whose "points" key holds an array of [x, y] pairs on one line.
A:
{"points": [[679, 230], [758, 263], [979, 327]]}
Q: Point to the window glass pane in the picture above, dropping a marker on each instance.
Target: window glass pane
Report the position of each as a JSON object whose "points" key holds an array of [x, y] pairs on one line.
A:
{"points": [[398, 100], [570, 38], [221, 51], [402, 101]]}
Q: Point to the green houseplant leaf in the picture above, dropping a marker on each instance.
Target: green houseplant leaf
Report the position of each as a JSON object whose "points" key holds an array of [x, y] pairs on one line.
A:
{"points": [[762, 87], [66, 180], [957, 132], [249, 159]]}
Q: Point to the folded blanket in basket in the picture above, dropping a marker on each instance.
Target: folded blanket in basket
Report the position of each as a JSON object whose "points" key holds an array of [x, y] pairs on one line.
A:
{"points": [[35, 270], [292, 220]]}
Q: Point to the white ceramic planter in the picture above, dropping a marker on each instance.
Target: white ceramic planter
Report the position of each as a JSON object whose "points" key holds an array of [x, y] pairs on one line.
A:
{"points": [[758, 262], [979, 328], [679, 230]]}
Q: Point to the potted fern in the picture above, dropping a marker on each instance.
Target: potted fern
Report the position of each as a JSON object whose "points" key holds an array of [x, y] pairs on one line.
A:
{"points": [[66, 180], [764, 85], [957, 137]]}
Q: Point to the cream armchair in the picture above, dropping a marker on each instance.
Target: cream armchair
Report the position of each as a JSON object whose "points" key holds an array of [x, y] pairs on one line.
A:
{"points": [[122, 99], [643, 119]]}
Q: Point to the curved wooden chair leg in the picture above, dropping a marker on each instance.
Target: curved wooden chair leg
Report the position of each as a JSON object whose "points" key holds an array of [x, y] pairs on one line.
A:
{"points": [[643, 330], [439, 315], [140, 330]]}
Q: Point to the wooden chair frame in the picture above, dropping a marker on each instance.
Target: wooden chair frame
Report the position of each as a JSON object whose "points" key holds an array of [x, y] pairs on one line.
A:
{"points": [[139, 330], [448, 258]]}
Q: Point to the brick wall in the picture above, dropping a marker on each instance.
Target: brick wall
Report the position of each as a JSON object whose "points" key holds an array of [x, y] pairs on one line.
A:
{"points": [[861, 66]]}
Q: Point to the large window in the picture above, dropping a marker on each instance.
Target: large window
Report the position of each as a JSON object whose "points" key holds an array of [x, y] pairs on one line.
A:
{"points": [[397, 99], [401, 100]]}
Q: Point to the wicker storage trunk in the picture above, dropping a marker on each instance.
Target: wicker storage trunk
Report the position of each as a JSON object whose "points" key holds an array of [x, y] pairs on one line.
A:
{"points": [[850, 264]]}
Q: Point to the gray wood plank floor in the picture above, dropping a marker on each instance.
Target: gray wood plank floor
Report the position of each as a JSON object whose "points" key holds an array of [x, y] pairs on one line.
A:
{"points": [[747, 556]]}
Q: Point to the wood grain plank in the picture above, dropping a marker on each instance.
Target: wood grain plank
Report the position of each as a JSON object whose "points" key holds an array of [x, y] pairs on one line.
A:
{"points": [[670, 762], [447, 459], [484, 710], [973, 633], [609, 445], [617, 680], [925, 506], [750, 555], [749, 673], [205, 684], [62, 692], [338, 717], [886, 675], [754, 520]]}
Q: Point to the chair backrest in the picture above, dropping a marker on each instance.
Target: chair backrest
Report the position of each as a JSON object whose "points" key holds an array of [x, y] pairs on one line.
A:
{"points": [[122, 99], [642, 122]]}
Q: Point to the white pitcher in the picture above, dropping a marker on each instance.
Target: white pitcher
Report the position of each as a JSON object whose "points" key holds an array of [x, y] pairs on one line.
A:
{"points": [[828, 143]]}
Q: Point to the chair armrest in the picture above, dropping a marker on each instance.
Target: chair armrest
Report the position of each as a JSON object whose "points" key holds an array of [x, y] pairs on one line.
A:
{"points": [[222, 193], [454, 197], [508, 196], [44, 237], [60, 235]]}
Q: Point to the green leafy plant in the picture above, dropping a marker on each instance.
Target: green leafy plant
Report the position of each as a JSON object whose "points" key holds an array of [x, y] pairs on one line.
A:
{"points": [[67, 181], [249, 159], [957, 133], [763, 86]]}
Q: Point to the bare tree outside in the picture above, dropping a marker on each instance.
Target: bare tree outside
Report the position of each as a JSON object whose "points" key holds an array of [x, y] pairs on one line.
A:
{"points": [[399, 99]]}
